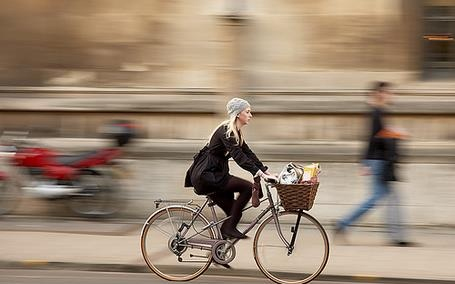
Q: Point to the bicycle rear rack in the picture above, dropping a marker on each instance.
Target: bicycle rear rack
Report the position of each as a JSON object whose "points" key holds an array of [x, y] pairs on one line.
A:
{"points": [[173, 201]]}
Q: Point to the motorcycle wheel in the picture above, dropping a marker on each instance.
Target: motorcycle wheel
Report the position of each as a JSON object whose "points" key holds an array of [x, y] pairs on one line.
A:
{"points": [[9, 196], [98, 197]]}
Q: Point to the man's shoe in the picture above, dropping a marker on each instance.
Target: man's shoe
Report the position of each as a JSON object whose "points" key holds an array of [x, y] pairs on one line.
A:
{"points": [[403, 244], [339, 235]]}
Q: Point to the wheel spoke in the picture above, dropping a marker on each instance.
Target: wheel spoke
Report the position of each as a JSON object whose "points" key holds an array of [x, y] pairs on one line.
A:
{"points": [[170, 219], [160, 229]]}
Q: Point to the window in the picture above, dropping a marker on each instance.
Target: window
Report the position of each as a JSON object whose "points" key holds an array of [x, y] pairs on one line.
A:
{"points": [[438, 38]]}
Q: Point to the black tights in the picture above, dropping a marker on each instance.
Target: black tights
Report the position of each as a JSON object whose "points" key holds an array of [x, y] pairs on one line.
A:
{"points": [[224, 198]]}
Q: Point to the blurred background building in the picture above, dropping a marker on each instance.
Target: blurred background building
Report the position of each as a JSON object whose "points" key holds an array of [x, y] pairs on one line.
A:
{"points": [[305, 66], [289, 57]]}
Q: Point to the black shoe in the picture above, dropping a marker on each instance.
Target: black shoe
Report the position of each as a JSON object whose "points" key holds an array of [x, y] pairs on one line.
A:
{"points": [[403, 244], [227, 266], [339, 235], [232, 233]]}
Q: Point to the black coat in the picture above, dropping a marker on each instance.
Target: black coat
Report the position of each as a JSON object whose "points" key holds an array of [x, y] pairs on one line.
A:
{"points": [[210, 168]]}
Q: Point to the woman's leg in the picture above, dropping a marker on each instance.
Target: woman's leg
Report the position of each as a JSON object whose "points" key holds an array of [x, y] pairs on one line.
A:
{"points": [[244, 188], [225, 200]]}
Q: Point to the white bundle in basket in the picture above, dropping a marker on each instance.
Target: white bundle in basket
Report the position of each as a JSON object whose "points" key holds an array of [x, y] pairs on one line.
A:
{"points": [[291, 174], [297, 174]]}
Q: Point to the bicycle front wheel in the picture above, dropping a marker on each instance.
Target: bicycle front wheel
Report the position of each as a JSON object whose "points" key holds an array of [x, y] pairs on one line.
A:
{"points": [[9, 195], [299, 263], [167, 243]]}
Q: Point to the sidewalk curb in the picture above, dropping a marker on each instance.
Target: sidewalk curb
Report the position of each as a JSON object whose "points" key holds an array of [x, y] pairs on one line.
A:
{"points": [[213, 270]]}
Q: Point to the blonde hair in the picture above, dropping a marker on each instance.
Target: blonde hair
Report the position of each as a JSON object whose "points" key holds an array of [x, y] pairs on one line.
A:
{"points": [[231, 129]]}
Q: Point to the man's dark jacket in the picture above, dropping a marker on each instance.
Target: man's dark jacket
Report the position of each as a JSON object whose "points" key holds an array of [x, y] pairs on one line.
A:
{"points": [[380, 148]]}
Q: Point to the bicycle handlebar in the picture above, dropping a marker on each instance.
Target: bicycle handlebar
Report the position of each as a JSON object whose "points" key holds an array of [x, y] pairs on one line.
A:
{"points": [[271, 180]]}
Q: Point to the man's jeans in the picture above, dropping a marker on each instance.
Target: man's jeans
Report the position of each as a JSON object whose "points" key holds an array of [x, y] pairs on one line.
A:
{"points": [[380, 190]]}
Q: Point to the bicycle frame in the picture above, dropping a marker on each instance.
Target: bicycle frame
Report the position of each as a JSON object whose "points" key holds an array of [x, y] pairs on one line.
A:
{"points": [[214, 222]]}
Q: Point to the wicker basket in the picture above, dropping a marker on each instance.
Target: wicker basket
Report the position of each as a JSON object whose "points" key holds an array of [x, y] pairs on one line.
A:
{"points": [[297, 196]]}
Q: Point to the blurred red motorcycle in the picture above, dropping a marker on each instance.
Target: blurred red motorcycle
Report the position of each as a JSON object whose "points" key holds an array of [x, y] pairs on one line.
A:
{"points": [[85, 180]]}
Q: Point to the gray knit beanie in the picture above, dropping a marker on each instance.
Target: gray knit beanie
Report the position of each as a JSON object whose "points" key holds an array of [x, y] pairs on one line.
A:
{"points": [[236, 106]]}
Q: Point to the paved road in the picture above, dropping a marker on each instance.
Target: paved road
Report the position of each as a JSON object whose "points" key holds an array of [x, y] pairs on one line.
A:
{"points": [[77, 277], [114, 246]]}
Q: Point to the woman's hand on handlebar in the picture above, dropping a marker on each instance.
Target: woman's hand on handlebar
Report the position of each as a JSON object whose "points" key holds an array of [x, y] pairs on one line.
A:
{"points": [[267, 177], [271, 179]]}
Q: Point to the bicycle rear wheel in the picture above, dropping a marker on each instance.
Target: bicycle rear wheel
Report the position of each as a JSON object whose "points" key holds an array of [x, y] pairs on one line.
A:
{"points": [[300, 265], [171, 254]]}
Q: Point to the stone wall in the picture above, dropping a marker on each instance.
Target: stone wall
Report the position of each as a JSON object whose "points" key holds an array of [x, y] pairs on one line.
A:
{"points": [[331, 43], [105, 43], [291, 117], [426, 192], [208, 43]]}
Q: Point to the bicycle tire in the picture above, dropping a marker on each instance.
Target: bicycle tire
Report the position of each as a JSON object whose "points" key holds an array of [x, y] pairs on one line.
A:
{"points": [[310, 254], [10, 196], [159, 255], [99, 196]]}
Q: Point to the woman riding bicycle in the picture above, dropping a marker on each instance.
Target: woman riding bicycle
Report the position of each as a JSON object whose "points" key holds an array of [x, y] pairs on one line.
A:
{"points": [[209, 173]]}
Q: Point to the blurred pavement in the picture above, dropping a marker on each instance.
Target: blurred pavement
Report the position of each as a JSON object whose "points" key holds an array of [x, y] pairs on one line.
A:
{"points": [[114, 246]]}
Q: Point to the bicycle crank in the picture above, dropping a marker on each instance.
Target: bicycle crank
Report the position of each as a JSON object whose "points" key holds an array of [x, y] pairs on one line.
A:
{"points": [[223, 252]]}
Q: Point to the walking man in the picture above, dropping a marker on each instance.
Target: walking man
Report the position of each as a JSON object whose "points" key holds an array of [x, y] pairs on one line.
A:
{"points": [[379, 163]]}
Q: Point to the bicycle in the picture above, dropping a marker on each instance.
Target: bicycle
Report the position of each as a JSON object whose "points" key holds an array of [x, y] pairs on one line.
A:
{"points": [[288, 246]]}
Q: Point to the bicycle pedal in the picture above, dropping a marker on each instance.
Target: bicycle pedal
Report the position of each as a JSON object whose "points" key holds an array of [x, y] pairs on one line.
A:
{"points": [[227, 266]]}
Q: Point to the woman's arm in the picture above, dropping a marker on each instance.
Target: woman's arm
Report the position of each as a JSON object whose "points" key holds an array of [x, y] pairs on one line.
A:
{"points": [[239, 156], [253, 157]]}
